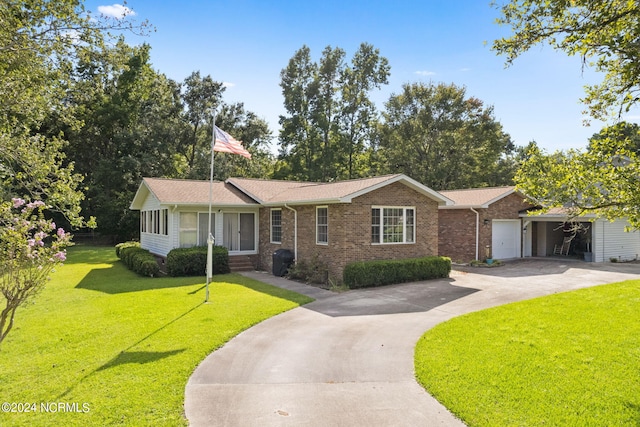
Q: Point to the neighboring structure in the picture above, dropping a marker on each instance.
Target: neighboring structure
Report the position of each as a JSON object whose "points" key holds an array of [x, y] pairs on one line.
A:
{"points": [[501, 221], [600, 240], [386, 217], [481, 220]]}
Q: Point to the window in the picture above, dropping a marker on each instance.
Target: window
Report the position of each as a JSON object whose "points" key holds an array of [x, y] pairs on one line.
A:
{"points": [[276, 225], [188, 229], [322, 225], [392, 225], [155, 222], [143, 221], [203, 228], [165, 222]]}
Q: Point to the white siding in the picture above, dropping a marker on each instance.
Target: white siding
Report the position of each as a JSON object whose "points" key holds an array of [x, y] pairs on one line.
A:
{"points": [[156, 243], [612, 241]]}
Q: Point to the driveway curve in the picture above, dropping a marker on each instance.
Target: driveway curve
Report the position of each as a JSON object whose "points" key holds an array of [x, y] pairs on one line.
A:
{"points": [[346, 359]]}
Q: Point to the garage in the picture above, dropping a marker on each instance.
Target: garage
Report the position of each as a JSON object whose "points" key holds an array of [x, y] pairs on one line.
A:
{"points": [[505, 239]]}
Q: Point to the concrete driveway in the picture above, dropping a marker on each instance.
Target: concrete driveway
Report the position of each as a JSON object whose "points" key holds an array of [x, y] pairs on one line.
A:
{"points": [[347, 359]]}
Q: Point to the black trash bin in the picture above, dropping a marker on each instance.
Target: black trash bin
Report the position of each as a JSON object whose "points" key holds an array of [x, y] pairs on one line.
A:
{"points": [[282, 260]]}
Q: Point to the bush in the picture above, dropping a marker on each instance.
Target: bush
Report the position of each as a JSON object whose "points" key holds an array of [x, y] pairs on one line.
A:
{"points": [[193, 261], [377, 273], [138, 260], [312, 271], [121, 246]]}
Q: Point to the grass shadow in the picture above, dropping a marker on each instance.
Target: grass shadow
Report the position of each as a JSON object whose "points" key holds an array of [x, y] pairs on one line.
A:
{"points": [[119, 280], [635, 409], [264, 287], [139, 357], [126, 356]]}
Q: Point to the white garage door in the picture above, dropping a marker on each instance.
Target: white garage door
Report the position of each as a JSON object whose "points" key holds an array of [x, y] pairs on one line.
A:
{"points": [[505, 240]]}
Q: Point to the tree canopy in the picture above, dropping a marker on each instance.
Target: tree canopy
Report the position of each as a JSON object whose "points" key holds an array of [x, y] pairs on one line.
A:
{"points": [[444, 139], [604, 33], [603, 180], [330, 118]]}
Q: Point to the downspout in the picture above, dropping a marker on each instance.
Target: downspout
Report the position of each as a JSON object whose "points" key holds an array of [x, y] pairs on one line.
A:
{"points": [[477, 231], [295, 231]]}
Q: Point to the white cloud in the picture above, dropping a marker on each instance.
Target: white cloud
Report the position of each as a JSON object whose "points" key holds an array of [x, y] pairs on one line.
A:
{"points": [[426, 73], [228, 84], [116, 11]]}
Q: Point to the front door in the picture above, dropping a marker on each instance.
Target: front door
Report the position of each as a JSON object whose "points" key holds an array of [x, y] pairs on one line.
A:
{"points": [[239, 231]]}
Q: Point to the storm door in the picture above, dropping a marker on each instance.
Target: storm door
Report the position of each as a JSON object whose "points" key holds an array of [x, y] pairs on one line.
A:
{"points": [[239, 231]]}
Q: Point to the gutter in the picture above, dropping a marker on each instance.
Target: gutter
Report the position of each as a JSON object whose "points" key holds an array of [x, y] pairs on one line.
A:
{"points": [[477, 230], [295, 231]]}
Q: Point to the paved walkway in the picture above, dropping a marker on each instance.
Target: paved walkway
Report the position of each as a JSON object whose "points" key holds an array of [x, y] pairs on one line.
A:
{"points": [[347, 358]]}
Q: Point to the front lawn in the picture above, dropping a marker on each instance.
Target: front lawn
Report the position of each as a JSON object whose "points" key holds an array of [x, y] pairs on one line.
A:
{"points": [[102, 346], [570, 359]]}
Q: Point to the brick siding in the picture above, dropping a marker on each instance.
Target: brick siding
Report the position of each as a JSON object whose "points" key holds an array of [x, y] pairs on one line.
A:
{"points": [[457, 227], [350, 230]]}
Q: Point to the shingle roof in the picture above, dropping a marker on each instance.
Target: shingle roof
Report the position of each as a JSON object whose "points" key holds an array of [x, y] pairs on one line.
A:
{"points": [[278, 192], [477, 197], [244, 191], [190, 192]]}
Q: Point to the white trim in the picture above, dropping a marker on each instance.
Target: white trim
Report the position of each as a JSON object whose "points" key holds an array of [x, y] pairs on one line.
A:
{"points": [[404, 225], [409, 182], [271, 226], [318, 242]]}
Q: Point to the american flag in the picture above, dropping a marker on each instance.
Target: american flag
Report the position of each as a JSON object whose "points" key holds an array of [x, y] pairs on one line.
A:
{"points": [[225, 143]]}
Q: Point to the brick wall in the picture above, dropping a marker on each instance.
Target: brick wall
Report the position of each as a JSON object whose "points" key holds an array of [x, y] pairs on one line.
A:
{"points": [[350, 230], [457, 232]]}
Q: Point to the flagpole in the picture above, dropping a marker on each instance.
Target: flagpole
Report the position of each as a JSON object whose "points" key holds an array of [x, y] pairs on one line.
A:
{"points": [[210, 238]]}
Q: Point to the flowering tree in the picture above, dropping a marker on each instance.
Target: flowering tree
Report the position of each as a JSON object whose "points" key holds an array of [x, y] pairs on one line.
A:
{"points": [[31, 246]]}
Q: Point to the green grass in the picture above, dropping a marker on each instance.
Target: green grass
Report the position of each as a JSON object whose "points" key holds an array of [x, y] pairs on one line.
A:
{"points": [[122, 344], [571, 359]]}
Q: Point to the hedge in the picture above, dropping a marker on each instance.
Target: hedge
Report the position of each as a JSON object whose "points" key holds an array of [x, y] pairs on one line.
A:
{"points": [[121, 246], [193, 261], [378, 273], [138, 260]]}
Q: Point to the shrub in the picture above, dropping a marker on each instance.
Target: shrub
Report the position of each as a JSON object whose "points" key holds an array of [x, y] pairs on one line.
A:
{"points": [[312, 271], [377, 273], [139, 260], [121, 246], [193, 261]]}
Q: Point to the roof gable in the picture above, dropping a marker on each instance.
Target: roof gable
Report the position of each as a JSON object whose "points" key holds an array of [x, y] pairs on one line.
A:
{"points": [[188, 192], [477, 197]]}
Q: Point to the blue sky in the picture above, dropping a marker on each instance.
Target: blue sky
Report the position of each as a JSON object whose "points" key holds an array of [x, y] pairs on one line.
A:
{"points": [[246, 43]]}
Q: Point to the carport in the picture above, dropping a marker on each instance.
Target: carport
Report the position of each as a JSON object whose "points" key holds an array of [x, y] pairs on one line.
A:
{"points": [[599, 239]]}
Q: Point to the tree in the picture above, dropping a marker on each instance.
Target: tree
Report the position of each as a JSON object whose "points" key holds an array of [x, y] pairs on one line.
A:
{"points": [[330, 120], [622, 131], [603, 180], [131, 127], [39, 41], [27, 260], [604, 33], [445, 140], [359, 116], [201, 96], [298, 135], [255, 135]]}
